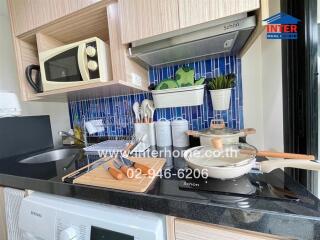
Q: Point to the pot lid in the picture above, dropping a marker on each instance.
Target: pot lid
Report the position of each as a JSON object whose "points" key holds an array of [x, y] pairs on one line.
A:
{"points": [[230, 155], [217, 127], [220, 132]]}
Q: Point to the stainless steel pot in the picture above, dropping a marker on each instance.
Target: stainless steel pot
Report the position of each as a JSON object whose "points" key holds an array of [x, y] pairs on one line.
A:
{"points": [[218, 130]]}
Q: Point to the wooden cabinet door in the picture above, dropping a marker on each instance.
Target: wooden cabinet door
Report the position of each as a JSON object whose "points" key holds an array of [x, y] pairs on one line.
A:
{"points": [[192, 12], [189, 230], [29, 14], [146, 18]]}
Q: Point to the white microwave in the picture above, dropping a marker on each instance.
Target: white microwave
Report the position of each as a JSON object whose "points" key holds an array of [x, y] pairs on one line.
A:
{"points": [[75, 64]]}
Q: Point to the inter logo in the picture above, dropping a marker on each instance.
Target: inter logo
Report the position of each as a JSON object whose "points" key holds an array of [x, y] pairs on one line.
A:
{"points": [[282, 26]]}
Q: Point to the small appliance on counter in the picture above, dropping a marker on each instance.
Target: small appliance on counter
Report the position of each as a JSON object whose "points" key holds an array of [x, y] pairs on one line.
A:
{"points": [[9, 105], [79, 63]]}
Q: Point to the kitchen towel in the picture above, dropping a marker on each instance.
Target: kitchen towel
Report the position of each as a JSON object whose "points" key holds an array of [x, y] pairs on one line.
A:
{"points": [[13, 199]]}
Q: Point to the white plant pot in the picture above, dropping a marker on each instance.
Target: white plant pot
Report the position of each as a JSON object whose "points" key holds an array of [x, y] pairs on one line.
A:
{"points": [[221, 99]]}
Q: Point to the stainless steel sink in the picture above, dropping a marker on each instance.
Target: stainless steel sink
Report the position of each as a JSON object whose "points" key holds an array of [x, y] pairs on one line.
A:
{"points": [[52, 156]]}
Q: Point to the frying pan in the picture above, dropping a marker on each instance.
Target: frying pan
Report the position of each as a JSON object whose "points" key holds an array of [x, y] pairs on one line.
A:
{"points": [[220, 163]]}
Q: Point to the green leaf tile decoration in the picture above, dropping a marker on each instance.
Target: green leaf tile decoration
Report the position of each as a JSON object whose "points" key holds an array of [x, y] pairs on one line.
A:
{"points": [[185, 77]]}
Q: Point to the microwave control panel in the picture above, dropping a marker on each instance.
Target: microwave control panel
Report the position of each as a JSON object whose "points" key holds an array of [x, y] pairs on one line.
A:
{"points": [[92, 60]]}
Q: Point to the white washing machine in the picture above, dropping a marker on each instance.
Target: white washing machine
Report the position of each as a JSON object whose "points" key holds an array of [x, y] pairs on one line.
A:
{"points": [[49, 217]]}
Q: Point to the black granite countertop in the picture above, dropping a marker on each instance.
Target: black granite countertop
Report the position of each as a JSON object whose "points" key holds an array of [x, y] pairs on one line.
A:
{"points": [[297, 219]]}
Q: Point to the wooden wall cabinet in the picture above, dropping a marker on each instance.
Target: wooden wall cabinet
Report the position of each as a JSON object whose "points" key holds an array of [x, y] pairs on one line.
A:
{"points": [[30, 14], [142, 19], [146, 18], [101, 20], [180, 229], [193, 12]]}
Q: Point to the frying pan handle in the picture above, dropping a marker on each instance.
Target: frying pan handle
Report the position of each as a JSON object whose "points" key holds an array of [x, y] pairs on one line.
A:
{"points": [[247, 131], [217, 124], [192, 133], [270, 165], [284, 155]]}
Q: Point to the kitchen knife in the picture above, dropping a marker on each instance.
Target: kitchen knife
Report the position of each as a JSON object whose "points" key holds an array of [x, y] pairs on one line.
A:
{"points": [[144, 169], [72, 176], [121, 166], [114, 173]]}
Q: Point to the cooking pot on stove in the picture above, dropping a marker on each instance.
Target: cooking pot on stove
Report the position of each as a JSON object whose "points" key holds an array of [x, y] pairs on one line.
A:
{"points": [[219, 130]]}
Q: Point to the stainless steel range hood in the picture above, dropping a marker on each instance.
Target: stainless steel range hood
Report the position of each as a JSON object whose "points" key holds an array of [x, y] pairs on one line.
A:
{"points": [[222, 37]]}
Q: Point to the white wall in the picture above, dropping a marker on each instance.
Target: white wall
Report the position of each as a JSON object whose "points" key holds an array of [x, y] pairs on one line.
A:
{"points": [[262, 90], [253, 93], [262, 93], [272, 94], [58, 112]]}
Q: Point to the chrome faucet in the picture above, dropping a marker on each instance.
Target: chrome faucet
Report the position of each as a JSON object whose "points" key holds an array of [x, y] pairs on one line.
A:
{"points": [[85, 141], [63, 133]]}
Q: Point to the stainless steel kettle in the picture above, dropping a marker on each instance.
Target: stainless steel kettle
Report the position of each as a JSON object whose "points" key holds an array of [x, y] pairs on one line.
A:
{"points": [[36, 84]]}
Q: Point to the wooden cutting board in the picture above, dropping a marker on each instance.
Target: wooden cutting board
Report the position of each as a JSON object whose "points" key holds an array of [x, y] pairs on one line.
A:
{"points": [[99, 177]]}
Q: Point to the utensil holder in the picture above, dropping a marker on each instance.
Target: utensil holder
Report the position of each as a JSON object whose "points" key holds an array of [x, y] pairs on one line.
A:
{"points": [[147, 129]]}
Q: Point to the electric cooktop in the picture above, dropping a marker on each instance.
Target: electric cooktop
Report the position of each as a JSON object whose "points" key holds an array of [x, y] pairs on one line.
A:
{"points": [[253, 185]]}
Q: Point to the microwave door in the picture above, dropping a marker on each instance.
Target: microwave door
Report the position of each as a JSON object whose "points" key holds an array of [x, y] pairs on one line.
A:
{"points": [[63, 67]]}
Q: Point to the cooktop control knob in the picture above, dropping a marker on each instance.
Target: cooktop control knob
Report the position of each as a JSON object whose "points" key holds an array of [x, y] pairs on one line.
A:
{"points": [[69, 234], [92, 65], [91, 51]]}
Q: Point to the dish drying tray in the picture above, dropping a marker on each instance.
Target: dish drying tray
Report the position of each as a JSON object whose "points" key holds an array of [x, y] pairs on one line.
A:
{"points": [[113, 146]]}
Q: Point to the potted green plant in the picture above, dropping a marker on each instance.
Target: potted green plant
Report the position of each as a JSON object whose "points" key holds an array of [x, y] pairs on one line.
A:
{"points": [[220, 90]]}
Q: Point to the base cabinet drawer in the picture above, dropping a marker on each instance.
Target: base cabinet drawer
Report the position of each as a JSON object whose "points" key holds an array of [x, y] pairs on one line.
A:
{"points": [[180, 229]]}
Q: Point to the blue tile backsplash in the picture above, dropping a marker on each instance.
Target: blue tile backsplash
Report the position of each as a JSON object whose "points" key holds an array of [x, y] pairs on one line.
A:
{"points": [[118, 116]]}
